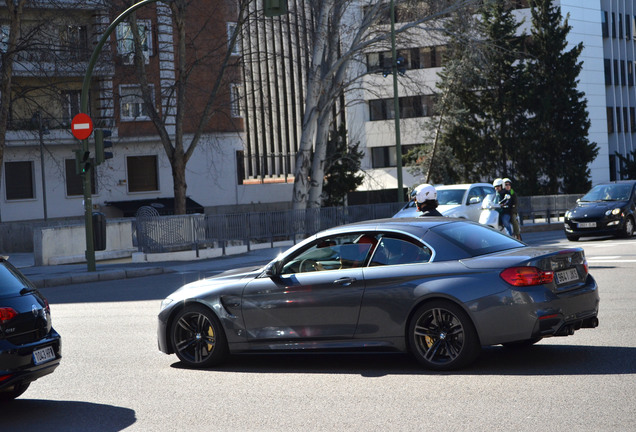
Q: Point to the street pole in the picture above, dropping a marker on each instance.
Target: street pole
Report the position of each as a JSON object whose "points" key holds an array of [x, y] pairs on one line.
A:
{"points": [[396, 109], [41, 133], [86, 176]]}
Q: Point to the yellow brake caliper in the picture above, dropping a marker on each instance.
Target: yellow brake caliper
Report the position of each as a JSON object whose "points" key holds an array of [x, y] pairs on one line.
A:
{"points": [[211, 334]]}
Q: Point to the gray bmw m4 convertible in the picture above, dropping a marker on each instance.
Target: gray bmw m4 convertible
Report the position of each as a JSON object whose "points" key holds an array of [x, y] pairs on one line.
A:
{"points": [[438, 288]]}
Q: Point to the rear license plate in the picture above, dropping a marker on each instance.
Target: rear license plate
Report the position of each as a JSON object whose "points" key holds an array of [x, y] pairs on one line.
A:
{"points": [[566, 276], [43, 355], [586, 225]]}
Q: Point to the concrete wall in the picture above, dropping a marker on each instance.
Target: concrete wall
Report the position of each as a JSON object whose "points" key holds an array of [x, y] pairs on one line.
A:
{"points": [[67, 244]]}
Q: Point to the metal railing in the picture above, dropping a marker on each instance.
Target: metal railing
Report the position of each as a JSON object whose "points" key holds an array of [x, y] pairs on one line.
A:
{"points": [[154, 233], [184, 232]]}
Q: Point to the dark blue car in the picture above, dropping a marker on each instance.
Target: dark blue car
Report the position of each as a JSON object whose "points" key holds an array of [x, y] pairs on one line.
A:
{"points": [[29, 346], [606, 210]]}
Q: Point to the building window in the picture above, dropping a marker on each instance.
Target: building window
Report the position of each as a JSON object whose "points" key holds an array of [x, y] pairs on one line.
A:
{"points": [[18, 178], [610, 119], [623, 78], [236, 49], [620, 25], [74, 181], [613, 24], [71, 100], [384, 157], [628, 26], [632, 119], [625, 119], [608, 72], [616, 80], [74, 42], [630, 73], [410, 107], [126, 44], [131, 103], [142, 173], [4, 38], [618, 120], [604, 24], [236, 108]]}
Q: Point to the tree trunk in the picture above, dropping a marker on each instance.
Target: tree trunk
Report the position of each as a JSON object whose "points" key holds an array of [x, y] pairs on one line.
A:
{"points": [[318, 163]]}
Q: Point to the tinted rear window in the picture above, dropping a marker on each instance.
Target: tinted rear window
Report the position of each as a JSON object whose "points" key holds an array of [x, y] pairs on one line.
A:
{"points": [[476, 239], [11, 282]]}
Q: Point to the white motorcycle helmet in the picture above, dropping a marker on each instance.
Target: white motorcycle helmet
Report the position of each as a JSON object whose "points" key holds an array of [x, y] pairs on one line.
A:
{"points": [[498, 182], [506, 180], [425, 192]]}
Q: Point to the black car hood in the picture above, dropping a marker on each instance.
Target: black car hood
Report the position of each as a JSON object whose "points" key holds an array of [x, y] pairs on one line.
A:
{"points": [[593, 209]]}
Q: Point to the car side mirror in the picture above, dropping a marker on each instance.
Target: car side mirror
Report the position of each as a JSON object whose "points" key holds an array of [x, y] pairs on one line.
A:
{"points": [[474, 200], [273, 269]]}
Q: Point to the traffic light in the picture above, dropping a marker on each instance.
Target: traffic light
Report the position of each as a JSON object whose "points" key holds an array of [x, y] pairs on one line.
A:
{"points": [[102, 142], [275, 7], [82, 161]]}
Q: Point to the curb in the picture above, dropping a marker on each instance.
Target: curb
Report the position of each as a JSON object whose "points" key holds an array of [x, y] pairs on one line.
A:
{"points": [[97, 276]]}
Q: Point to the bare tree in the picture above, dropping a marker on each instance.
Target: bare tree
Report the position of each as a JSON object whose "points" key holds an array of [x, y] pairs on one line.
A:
{"points": [[337, 41], [179, 147]]}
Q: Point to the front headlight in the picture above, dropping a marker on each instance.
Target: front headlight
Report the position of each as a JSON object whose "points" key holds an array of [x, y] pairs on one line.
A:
{"points": [[613, 212], [165, 302]]}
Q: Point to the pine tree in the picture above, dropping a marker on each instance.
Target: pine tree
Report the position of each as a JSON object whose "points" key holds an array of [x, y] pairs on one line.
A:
{"points": [[558, 121], [483, 83], [342, 166]]}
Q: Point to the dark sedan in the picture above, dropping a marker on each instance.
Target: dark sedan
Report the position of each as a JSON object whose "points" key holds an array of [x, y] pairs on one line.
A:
{"points": [[29, 346], [439, 288], [608, 209]]}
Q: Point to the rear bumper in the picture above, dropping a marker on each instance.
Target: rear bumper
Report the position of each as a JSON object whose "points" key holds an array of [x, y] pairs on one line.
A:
{"points": [[538, 312], [17, 365]]}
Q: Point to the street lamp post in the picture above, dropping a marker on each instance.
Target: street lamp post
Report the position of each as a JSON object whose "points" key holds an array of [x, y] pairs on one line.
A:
{"points": [[396, 109]]}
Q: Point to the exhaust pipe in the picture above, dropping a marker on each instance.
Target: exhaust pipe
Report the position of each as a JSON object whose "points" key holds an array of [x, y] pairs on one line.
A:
{"points": [[590, 323]]}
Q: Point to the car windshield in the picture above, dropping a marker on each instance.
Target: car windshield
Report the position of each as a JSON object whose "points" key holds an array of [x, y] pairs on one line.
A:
{"points": [[608, 192], [476, 239], [450, 196]]}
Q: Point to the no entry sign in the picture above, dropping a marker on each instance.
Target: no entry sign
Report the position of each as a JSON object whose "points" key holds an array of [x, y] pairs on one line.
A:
{"points": [[81, 126]]}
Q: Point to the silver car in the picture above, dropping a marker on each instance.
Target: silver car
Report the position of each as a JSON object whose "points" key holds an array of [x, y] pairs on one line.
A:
{"points": [[460, 200], [436, 287]]}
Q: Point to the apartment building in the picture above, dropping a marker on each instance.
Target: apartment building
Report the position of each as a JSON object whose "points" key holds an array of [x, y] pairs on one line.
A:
{"points": [[608, 32], [39, 179]]}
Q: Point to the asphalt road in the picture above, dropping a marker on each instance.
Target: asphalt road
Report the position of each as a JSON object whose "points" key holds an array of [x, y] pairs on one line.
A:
{"points": [[113, 378]]}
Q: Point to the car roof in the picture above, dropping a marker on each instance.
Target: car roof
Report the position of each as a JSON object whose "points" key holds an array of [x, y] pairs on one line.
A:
{"points": [[408, 224], [461, 186], [616, 182]]}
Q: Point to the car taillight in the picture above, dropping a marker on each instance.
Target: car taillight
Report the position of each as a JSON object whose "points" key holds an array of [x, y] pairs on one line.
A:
{"points": [[7, 314], [526, 276]]}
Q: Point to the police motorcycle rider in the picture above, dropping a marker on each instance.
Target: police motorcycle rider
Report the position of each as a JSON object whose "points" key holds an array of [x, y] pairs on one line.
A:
{"points": [[426, 200]]}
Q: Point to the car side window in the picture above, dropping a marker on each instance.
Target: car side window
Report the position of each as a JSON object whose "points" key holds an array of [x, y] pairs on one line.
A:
{"points": [[395, 251], [332, 253]]}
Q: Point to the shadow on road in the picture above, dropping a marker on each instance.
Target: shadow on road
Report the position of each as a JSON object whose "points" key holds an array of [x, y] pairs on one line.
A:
{"points": [[27, 415], [537, 360]]}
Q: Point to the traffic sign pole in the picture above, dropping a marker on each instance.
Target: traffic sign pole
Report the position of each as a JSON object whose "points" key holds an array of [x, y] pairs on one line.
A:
{"points": [[88, 203]]}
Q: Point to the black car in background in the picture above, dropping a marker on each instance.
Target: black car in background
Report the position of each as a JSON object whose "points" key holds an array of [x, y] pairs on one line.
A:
{"points": [[607, 209], [29, 346]]}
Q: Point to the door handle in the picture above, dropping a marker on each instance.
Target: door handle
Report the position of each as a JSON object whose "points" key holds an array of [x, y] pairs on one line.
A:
{"points": [[345, 281]]}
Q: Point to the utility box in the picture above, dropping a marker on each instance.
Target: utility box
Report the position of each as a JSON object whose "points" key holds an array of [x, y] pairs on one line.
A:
{"points": [[99, 231]]}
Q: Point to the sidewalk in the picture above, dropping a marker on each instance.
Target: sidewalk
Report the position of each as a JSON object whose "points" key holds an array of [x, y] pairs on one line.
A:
{"points": [[155, 264]]}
